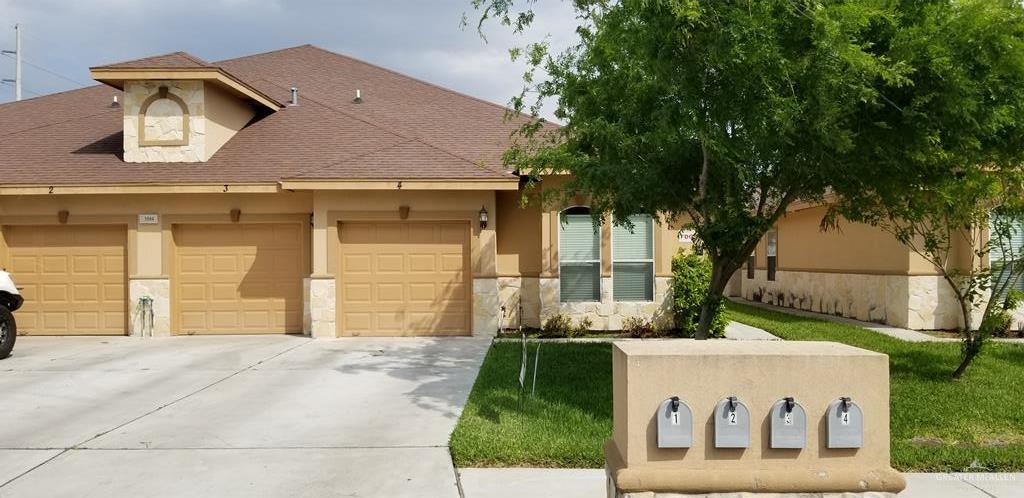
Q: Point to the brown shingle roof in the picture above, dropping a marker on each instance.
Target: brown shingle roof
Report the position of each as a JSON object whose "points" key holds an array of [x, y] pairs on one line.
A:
{"points": [[404, 128], [163, 61]]}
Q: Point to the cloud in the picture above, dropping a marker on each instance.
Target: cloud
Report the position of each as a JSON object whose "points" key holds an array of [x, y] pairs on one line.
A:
{"points": [[416, 37]]}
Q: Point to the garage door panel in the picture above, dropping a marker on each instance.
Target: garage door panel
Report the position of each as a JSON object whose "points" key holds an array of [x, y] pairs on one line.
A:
{"points": [[239, 278], [422, 263], [191, 264], [390, 263], [55, 321], [85, 264], [114, 320], [54, 293], [87, 292], [224, 264], [193, 320], [55, 265], [87, 319], [356, 263], [415, 283], [73, 277], [112, 291], [23, 264], [223, 292]]}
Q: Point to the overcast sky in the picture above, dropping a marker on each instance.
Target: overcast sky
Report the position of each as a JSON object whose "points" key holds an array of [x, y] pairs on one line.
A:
{"points": [[420, 38]]}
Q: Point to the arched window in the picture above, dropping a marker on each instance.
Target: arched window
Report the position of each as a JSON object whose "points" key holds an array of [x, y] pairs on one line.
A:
{"points": [[163, 120], [633, 260], [579, 256]]}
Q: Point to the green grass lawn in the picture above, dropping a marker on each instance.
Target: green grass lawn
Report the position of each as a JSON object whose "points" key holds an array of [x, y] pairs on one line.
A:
{"points": [[937, 424]]}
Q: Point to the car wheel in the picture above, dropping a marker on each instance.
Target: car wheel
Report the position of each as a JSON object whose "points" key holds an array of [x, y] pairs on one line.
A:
{"points": [[8, 332]]}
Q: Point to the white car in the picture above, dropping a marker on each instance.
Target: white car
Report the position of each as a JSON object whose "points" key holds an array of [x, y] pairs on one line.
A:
{"points": [[10, 301]]}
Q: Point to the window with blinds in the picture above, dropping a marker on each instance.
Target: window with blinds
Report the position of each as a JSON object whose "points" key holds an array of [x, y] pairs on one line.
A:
{"points": [[633, 260], [1004, 254], [579, 256]]}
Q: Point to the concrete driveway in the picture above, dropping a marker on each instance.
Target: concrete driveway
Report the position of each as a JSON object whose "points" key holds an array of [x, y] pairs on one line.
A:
{"points": [[232, 416]]}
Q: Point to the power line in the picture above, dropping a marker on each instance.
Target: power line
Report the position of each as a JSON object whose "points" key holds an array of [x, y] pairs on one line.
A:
{"points": [[43, 69], [22, 88]]}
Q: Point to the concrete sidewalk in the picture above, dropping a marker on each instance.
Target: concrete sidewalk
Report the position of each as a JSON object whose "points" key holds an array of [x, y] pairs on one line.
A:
{"points": [[590, 483]]}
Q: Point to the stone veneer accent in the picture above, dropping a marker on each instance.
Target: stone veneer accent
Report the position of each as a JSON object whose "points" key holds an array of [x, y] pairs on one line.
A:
{"points": [[931, 304], [320, 313], [608, 314], [160, 290], [914, 302], [919, 302], [164, 121], [516, 291], [486, 310], [874, 298]]}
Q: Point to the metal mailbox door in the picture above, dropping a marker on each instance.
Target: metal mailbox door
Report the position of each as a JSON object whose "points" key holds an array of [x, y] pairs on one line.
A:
{"points": [[675, 424], [788, 422], [732, 424], [845, 424]]}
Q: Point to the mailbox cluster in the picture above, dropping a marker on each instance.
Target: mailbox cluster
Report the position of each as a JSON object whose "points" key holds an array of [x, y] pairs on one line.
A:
{"points": [[787, 421]]}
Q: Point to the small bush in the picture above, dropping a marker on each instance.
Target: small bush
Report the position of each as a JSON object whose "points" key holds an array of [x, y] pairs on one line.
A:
{"points": [[1000, 323], [691, 276], [582, 328], [561, 326], [640, 328]]}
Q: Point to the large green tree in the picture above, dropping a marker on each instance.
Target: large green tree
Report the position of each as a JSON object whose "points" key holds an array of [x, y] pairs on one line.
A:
{"points": [[723, 113]]}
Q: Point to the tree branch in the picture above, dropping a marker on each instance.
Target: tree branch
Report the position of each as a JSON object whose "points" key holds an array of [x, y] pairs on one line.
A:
{"points": [[702, 185]]}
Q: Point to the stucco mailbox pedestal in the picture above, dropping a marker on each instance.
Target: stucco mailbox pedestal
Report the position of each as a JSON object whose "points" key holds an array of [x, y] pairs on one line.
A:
{"points": [[718, 380]]}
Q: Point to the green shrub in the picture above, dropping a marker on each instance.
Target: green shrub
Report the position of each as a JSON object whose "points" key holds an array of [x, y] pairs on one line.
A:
{"points": [[561, 326], [640, 328], [691, 276], [1000, 322]]}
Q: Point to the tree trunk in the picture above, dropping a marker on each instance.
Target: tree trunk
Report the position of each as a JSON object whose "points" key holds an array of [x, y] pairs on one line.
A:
{"points": [[721, 272], [972, 341], [969, 354]]}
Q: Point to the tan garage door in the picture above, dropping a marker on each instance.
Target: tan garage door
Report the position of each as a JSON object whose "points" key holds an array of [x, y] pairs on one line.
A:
{"points": [[238, 278], [72, 278], [404, 279]]}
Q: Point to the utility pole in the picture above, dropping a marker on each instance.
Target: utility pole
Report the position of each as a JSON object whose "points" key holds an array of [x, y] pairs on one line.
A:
{"points": [[17, 61]]}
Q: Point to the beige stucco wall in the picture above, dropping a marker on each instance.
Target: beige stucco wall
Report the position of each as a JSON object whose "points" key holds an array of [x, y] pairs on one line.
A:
{"points": [[853, 247], [225, 115], [701, 373], [519, 245]]}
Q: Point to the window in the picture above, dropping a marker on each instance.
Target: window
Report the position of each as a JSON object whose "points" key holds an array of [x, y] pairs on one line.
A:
{"points": [[751, 261], [772, 243], [1007, 255], [579, 256], [633, 260]]}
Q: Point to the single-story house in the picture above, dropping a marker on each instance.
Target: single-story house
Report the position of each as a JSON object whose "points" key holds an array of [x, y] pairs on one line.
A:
{"points": [[857, 271], [295, 191]]}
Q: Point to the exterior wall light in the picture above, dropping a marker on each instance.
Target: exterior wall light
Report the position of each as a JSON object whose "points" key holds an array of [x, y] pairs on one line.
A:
{"points": [[483, 217]]}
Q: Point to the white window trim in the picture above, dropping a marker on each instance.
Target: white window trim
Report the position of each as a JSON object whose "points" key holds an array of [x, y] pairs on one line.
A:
{"points": [[561, 300], [654, 276]]}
